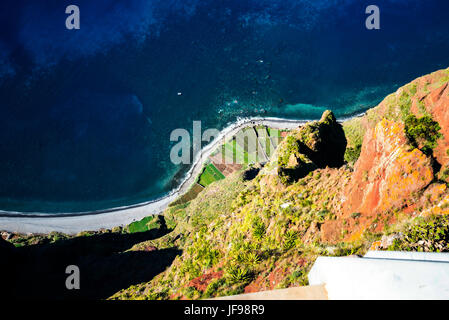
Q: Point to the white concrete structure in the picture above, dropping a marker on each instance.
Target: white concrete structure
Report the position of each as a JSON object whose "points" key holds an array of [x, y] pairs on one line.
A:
{"points": [[384, 275], [409, 255]]}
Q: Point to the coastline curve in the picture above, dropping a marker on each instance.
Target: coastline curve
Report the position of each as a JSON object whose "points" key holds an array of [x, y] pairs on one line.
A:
{"points": [[72, 223]]}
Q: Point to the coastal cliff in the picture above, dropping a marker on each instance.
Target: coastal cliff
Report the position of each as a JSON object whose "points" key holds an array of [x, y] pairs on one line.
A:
{"points": [[329, 188], [378, 181]]}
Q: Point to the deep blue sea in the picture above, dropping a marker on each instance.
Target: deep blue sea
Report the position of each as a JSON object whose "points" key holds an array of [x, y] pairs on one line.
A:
{"points": [[86, 115]]}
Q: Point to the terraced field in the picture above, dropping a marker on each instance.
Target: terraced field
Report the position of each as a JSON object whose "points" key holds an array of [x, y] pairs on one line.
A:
{"points": [[209, 175], [249, 146]]}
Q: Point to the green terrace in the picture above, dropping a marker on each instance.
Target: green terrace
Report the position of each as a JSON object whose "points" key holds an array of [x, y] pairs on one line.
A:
{"points": [[209, 175], [249, 146]]}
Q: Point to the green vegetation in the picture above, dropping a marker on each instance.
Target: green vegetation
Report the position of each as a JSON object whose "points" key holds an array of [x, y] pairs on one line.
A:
{"points": [[275, 133], [244, 149], [356, 215], [317, 144], [191, 194], [290, 147], [405, 100], [52, 237], [217, 199], [424, 234], [258, 228], [354, 132], [146, 224], [442, 80], [237, 275], [444, 174], [251, 237], [154, 222], [353, 153], [422, 132], [396, 108], [233, 153], [210, 174], [290, 238]]}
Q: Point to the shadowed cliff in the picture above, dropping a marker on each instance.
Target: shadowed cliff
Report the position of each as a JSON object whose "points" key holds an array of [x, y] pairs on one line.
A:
{"points": [[104, 262]]}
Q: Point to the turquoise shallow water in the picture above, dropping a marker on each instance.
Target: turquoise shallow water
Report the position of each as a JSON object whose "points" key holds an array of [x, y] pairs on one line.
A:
{"points": [[86, 115]]}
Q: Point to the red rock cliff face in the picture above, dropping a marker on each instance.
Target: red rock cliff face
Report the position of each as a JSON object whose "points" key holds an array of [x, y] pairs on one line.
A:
{"points": [[432, 97], [388, 172], [390, 176]]}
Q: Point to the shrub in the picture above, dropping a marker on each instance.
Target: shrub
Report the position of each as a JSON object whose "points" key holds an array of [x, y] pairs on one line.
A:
{"points": [[290, 238], [321, 215], [291, 147], [444, 174], [250, 259], [191, 292], [405, 103], [352, 154], [238, 275], [356, 215], [213, 287], [159, 295], [299, 276], [428, 235], [422, 132], [258, 228]]}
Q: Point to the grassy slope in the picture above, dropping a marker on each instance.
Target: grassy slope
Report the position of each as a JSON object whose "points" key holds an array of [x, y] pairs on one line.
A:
{"points": [[245, 240]]}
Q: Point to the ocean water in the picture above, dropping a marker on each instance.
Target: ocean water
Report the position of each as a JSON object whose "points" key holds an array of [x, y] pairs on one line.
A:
{"points": [[86, 115]]}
